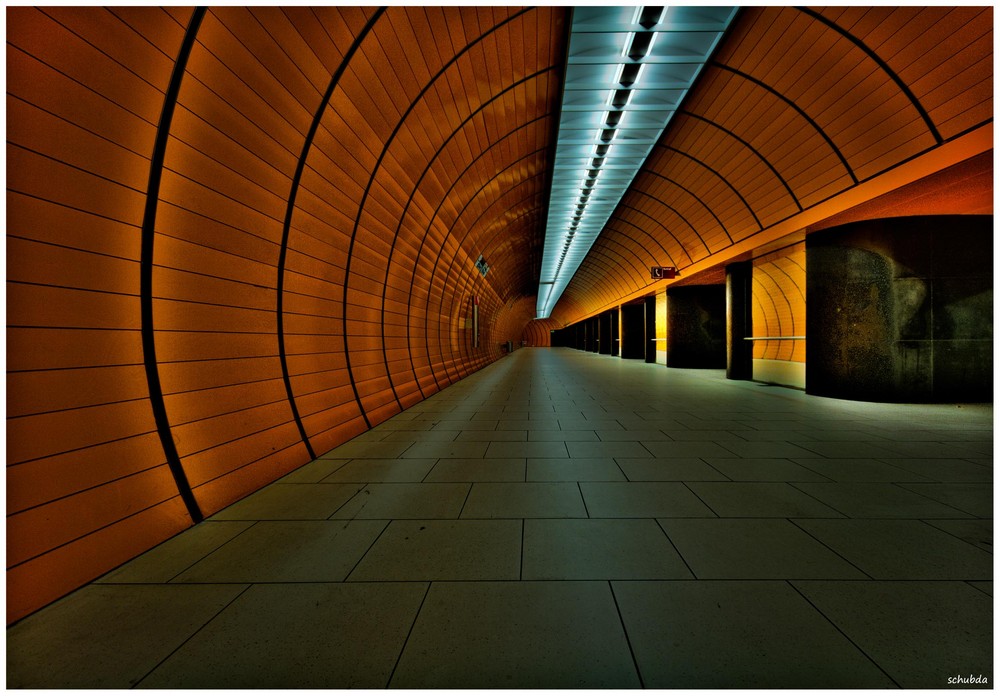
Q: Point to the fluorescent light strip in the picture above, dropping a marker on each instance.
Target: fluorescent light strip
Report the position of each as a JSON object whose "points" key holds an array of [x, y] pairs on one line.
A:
{"points": [[584, 196]]}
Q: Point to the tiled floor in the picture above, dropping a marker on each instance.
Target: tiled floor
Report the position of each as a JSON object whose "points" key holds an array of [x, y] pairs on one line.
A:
{"points": [[563, 519]]}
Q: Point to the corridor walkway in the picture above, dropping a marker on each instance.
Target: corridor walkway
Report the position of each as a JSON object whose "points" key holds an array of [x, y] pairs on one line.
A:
{"points": [[564, 519]]}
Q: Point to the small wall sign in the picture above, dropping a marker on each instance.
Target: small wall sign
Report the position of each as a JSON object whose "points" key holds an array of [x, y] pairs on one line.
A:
{"points": [[662, 272]]}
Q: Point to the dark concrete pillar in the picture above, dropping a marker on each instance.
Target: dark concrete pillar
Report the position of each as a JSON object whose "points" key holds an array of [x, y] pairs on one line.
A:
{"points": [[650, 329], [739, 321], [633, 319], [595, 334], [604, 331], [901, 309], [696, 326], [615, 341]]}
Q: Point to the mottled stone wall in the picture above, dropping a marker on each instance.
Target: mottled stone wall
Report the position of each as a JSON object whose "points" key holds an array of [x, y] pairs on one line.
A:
{"points": [[901, 309], [696, 334]]}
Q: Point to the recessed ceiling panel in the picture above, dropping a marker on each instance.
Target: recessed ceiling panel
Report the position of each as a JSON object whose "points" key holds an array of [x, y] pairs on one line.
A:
{"points": [[627, 72]]}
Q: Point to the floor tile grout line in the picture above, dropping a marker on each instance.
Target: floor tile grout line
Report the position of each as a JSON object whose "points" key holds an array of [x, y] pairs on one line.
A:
{"points": [[828, 547], [253, 523], [927, 521], [898, 484], [701, 500], [796, 589], [195, 632], [409, 634], [465, 502], [381, 533], [583, 498], [628, 641], [687, 565], [721, 473], [520, 568]]}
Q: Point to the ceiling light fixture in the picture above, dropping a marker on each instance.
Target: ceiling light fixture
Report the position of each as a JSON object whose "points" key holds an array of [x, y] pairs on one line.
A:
{"points": [[627, 71]]}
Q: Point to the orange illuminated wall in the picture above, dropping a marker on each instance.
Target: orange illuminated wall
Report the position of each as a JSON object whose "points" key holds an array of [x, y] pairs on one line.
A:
{"points": [[779, 314], [238, 237], [537, 333]]}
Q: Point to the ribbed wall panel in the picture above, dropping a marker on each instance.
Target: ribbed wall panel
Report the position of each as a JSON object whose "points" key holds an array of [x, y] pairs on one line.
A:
{"points": [[342, 165], [87, 482]]}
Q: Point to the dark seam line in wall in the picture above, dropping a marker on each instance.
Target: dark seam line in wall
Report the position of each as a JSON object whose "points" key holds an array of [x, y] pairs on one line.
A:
{"points": [[619, 219], [883, 65], [283, 253], [735, 190], [364, 199], [156, 399], [797, 109], [752, 149], [693, 195], [392, 248]]}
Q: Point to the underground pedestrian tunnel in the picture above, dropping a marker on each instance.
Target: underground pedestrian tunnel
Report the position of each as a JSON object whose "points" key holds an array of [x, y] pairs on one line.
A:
{"points": [[240, 237]]}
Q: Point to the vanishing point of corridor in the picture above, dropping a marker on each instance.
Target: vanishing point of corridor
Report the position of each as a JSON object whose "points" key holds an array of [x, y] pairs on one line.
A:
{"points": [[566, 519]]}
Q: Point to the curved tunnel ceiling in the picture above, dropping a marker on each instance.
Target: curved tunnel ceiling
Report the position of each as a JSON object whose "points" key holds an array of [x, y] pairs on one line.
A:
{"points": [[796, 108]]}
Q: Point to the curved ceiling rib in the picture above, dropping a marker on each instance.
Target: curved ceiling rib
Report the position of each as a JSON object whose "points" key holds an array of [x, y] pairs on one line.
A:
{"points": [[794, 112]]}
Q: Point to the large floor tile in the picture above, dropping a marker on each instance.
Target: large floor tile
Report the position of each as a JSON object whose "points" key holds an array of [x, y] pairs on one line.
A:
{"points": [[164, 562], [705, 435], [291, 501], [766, 469], [316, 636], [946, 470], [599, 550], [314, 472], [686, 449], [294, 551], [563, 436], [632, 435], [973, 498], [576, 469], [444, 550], [413, 501], [470, 470], [976, 532], [860, 470], [902, 549], [523, 500], [920, 633], [877, 500], [382, 470], [359, 449], [506, 450], [751, 549], [846, 449], [419, 436], [752, 499], [679, 469], [523, 635], [763, 450], [642, 499], [446, 450], [737, 635], [607, 449], [492, 436], [108, 636]]}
